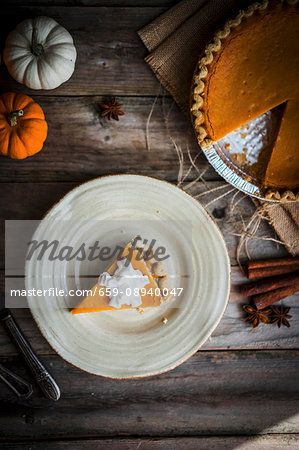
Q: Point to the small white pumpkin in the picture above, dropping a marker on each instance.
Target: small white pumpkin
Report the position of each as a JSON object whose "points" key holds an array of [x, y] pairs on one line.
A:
{"points": [[40, 53]]}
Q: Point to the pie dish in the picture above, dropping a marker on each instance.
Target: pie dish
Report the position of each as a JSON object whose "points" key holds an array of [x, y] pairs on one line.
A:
{"points": [[135, 279], [249, 68]]}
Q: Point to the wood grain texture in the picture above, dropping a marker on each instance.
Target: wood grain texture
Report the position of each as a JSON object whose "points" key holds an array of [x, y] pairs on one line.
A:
{"points": [[110, 55], [243, 381], [31, 201], [82, 145], [241, 392], [107, 3], [232, 333], [264, 442]]}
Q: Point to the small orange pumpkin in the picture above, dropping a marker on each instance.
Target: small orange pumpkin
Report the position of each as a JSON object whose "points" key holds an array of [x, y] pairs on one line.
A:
{"points": [[23, 128]]}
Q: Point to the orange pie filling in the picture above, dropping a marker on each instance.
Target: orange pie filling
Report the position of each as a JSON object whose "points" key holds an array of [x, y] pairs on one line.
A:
{"points": [[251, 67]]}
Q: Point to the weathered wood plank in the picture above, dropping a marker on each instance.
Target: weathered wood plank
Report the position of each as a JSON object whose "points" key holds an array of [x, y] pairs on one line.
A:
{"points": [[110, 53], [31, 200], [264, 442], [107, 3], [231, 333], [212, 393], [82, 145]]}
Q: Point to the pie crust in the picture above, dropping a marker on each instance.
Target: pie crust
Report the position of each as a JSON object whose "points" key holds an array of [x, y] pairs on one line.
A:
{"points": [[198, 94]]}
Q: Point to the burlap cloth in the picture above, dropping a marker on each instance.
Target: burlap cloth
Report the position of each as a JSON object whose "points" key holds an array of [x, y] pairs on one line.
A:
{"points": [[175, 41]]}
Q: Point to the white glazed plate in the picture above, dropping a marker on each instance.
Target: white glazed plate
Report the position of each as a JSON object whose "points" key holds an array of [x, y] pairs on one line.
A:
{"points": [[126, 344]]}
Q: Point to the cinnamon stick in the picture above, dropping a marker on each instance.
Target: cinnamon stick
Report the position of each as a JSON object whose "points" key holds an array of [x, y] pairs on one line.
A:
{"points": [[272, 262], [269, 284], [267, 298], [270, 267]]}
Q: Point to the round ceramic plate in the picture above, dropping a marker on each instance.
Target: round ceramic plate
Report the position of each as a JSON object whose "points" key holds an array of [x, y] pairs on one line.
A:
{"points": [[125, 344]]}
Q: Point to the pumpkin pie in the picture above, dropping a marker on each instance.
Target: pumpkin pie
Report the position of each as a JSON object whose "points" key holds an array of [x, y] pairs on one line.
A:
{"points": [[250, 67], [134, 280]]}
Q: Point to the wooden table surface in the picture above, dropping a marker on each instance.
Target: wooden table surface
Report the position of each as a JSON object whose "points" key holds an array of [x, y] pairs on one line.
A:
{"points": [[241, 388]]}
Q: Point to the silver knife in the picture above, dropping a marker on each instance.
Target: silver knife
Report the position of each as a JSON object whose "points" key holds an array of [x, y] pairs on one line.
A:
{"points": [[45, 381]]}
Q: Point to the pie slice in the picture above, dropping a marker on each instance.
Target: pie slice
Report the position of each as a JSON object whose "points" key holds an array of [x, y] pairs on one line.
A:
{"points": [[249, 68], [134, 280]]}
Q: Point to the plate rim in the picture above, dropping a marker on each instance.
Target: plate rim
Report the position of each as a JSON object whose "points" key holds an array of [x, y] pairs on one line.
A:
{"points": [[228, 268]]}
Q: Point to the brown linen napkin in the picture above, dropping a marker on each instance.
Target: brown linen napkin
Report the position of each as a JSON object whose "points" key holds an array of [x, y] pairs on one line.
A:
{"points": [[285, 221], [175, 41]]}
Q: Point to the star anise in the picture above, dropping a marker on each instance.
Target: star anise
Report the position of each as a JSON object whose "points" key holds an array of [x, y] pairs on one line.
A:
{"points": [[255, 315], [280, 316], [111, 109]]}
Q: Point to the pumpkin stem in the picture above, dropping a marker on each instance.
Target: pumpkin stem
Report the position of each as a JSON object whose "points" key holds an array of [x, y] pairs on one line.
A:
{"points": [[36, 48], [12, 118]]}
